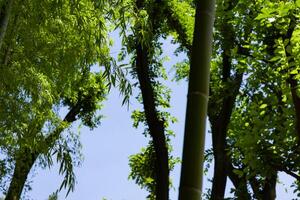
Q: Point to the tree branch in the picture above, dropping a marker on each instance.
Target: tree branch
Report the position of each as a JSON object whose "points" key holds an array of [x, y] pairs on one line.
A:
{"points": [[154, 122], [4, 18], [26, 157]]}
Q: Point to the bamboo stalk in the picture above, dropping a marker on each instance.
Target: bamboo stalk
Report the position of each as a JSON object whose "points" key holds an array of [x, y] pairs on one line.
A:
{"points": [[198, 93]]}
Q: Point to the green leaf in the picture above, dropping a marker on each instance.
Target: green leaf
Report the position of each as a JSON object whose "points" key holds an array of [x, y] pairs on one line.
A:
{"points": [[284, 98], [262, 106], [298, 3], [238, 172]]}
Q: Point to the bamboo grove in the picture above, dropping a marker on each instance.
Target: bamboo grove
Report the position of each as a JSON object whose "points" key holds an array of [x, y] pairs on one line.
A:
{"points": [[242, 65]]}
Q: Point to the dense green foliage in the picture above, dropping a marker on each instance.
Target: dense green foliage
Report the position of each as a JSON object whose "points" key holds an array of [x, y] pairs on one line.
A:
{"points": [[46, 61], [254, 100], [56, 69]]}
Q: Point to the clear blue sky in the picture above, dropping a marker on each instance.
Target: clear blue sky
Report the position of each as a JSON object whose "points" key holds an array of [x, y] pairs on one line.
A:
{"points": [[105, 170]]}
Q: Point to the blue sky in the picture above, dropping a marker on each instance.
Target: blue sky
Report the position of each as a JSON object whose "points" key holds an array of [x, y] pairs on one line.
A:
{"points": [[104, 172], [106, 149]]}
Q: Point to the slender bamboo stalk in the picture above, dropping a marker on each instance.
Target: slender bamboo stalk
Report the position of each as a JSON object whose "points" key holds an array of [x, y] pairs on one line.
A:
{"points": [[193, 149]]}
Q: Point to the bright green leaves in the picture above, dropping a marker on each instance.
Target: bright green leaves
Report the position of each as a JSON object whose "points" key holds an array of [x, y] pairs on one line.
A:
{"points": [[68, 154], [182, 70], [142, 25], [46, 61], [51, 46], [262, 106], [262, 125], [181, 21], [275, 11], [297, 3], [142, 165], [137, 117], [142, 169]]}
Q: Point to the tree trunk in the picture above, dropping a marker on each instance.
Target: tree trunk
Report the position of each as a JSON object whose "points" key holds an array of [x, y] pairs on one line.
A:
{"points": [[23, 166], [269, 191], [26, 158], [240, 183], [162, 168], [220, 175], [255, 186], [292, 80], [221, 119], [4, 18], [219, 131], [193, 149], [156, 125], [154, 122]]}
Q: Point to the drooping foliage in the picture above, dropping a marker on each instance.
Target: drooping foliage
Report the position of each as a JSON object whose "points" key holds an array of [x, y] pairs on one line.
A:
{"points": [[46, 63], [48, 80]]}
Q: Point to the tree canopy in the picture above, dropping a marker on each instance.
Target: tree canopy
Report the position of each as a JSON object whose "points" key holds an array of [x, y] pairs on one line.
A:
{"points": [[56, 69]]}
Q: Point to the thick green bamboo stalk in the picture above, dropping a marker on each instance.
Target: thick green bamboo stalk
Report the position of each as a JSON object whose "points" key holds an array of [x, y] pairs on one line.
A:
{"points": [[198, 92]]}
